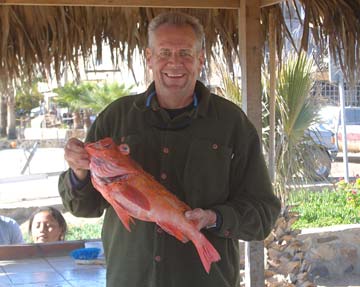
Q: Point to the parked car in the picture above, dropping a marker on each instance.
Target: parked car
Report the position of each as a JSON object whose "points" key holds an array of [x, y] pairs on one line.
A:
{"points": [[327, 138], [352, 120], [321, 151]]}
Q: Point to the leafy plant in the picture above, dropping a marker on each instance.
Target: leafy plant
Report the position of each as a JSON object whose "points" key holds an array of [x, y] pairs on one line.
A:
{"points": [[85, 231], [296, 112], [27, 95], [327, 207], [90, 95], [352, 190]]}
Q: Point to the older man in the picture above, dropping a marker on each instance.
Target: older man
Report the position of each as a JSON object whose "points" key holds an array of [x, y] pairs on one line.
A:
{"points": [[201, 147]]}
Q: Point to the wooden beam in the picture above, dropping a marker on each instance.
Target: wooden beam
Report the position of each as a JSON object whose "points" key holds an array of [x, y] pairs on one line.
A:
{"points": [[251, 43], [272, 96], [251, 58], [206, 4], [218, 4], [265, 3]]}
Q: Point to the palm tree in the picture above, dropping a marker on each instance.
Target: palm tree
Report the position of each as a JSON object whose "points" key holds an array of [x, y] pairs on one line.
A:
{"points": [[11, 118], [89, 97], [296, 112], [71, 96]]}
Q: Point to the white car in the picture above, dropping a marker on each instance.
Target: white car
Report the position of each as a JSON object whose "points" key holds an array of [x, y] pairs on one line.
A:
{"points": [[352, 119]]}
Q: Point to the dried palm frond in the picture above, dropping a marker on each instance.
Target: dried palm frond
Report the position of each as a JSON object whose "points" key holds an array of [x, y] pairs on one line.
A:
{"points": [[46, 39]]}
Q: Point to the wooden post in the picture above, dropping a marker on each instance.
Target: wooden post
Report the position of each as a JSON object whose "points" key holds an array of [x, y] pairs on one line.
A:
{"points": [[250, 42], [272, 102]]}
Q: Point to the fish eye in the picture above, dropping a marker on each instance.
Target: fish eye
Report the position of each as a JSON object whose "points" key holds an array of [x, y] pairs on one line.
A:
{"points": [[124, 148]]}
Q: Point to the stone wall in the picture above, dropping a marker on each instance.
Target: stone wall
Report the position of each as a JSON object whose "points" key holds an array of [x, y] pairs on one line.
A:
{"points": [[332, 251], [299, 258]]}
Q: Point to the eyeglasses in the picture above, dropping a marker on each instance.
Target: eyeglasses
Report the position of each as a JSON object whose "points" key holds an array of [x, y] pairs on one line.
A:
{"points": [[165, 53]]}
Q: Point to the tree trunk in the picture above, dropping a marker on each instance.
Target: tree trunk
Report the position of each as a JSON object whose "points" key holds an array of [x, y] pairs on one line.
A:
{"points": [[86, 119], [2, 115], [77, 120], [11, 117]]}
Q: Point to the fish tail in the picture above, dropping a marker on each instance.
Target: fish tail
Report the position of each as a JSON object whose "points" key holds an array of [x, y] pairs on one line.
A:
{"points": [[207, 252]]}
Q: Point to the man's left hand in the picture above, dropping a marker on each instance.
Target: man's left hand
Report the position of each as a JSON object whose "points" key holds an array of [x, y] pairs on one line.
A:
{"points": [[201, 217]]}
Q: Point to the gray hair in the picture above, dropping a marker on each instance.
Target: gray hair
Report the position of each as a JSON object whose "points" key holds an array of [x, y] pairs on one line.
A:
{"points": [[176, 19]]}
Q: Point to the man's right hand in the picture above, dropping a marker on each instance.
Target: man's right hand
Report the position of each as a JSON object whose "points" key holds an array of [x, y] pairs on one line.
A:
{"points": [[77, 158]]}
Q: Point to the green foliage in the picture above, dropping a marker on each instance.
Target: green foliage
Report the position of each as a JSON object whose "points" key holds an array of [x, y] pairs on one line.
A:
{"points": [[328, 207], [27, 95], [90, 95], [85, 231], [295, 112], [352, 190], [231, 88], [72, 95]]}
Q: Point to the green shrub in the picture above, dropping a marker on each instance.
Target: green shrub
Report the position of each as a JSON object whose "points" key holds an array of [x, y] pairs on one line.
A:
{"points": [[85, 231], [327, 207]]}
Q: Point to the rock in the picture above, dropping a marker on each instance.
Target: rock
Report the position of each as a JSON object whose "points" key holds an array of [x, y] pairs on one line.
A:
{"points": [[319, 271]]}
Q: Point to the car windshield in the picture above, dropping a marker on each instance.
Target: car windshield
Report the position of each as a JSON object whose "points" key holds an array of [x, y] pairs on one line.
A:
{"points": [[327, 116]]}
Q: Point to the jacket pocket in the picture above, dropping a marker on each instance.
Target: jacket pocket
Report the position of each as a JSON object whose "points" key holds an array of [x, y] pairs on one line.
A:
{"points": [[207, 173]]}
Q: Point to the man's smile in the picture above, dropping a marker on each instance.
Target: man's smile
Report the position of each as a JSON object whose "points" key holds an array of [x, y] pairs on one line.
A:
{"points": [[174, 76]]}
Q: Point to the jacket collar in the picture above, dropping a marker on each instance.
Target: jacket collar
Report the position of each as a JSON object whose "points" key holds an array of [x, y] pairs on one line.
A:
{"points": [[147, 101]]}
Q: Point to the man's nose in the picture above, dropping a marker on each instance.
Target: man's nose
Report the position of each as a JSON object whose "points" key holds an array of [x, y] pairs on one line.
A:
{"points": [[175, 57]]}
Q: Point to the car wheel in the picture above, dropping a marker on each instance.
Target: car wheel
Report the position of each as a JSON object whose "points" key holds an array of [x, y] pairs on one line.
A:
{"points": [[318, 164]]}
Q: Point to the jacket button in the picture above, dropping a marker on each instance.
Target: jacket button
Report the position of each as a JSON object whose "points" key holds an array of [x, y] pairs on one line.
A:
{"points": [[215, 146], [163, 176], [159, 230], [157, 258], [226, 233]]}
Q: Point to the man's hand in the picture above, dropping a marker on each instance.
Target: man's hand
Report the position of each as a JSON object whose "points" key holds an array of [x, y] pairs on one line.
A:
{"points": [[77, 158], [201, 217]]}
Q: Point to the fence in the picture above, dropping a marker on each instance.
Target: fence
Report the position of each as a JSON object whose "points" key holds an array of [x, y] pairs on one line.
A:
{"points": [[329, 92]]}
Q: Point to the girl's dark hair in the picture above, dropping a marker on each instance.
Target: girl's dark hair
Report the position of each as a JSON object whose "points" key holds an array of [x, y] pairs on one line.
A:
{"points": [[54, 213]]}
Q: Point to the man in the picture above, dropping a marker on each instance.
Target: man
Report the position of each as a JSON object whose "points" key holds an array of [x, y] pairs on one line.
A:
{"points": [[10, 232], [200, 147]]}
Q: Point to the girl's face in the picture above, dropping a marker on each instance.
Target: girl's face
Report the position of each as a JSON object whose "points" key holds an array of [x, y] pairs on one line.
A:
{"points": [[45, 228]]}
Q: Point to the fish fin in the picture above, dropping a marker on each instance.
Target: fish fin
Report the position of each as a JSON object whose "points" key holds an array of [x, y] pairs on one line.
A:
{"points": [[135, 196], [123, 215], [207, 252], [174, 231], [121, 212]]}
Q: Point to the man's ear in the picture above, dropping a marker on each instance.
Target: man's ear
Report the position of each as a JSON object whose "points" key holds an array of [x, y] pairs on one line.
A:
{"points": [[148, 55], [201, 58]]}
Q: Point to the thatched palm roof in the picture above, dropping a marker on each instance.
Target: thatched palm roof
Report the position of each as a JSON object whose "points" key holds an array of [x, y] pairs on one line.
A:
{"points": [[43, 38]]}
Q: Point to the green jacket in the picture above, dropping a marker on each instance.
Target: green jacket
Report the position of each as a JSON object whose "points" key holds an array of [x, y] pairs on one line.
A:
{"points": [[209, 157]]}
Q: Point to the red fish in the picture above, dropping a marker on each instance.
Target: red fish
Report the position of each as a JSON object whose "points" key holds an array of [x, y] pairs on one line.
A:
{"points": [[132, 192]]}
